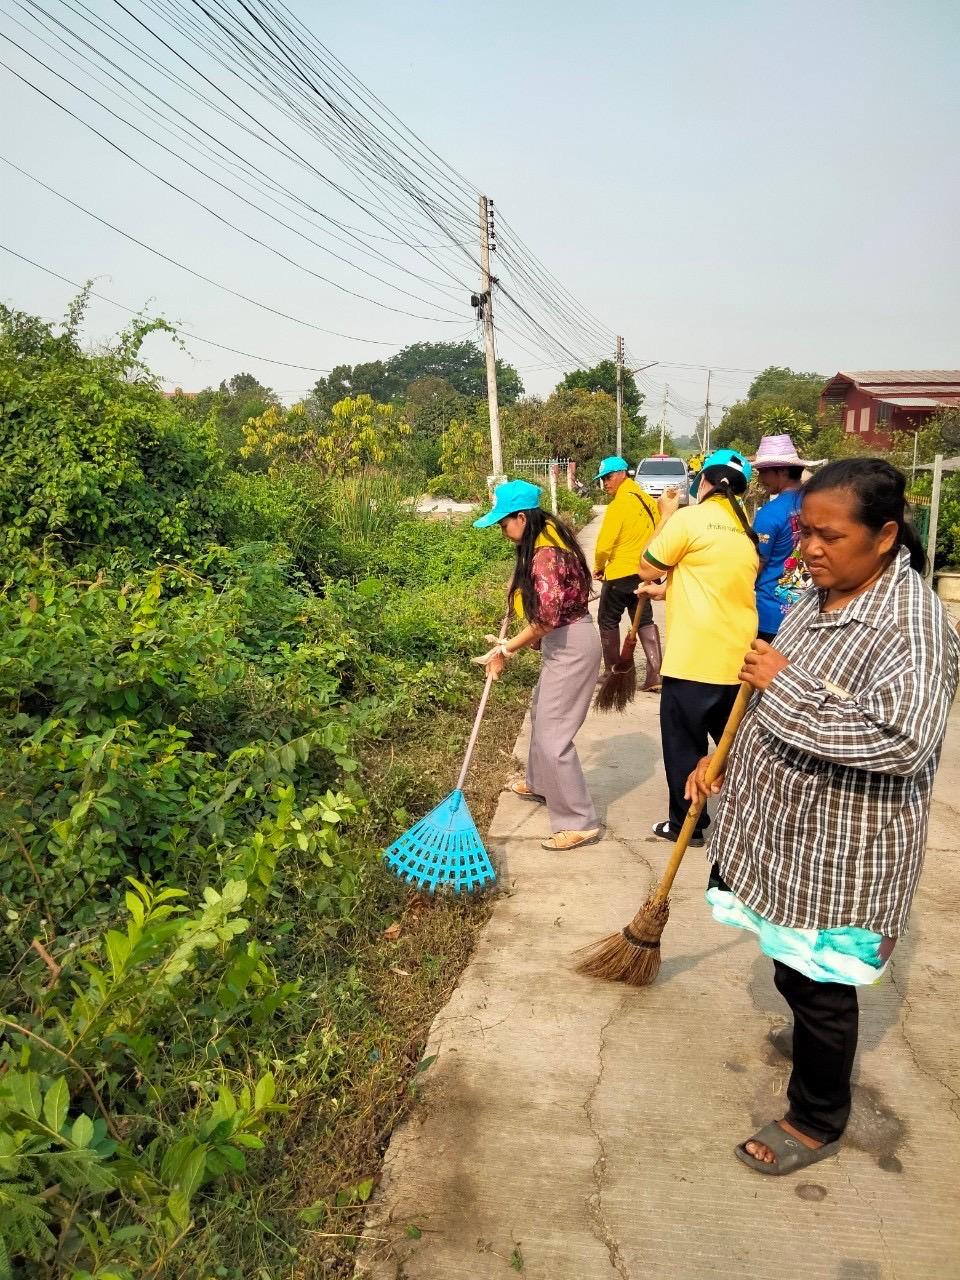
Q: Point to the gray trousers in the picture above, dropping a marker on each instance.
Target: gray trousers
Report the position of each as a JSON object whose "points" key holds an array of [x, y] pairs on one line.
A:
{"points": [[561, 700]]}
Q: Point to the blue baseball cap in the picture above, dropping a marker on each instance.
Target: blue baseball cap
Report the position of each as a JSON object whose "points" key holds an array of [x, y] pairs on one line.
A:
{"points": [[609, 465], [735, 462], [508, 499]]}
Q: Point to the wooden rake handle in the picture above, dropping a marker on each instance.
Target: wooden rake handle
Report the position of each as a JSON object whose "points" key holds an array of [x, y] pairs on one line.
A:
{"points": [[714, 769], [468, 754]]}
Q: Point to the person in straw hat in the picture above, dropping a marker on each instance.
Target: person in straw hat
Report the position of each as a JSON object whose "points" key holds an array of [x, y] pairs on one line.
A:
{"points": [[629, 523], [779, 583], [549, 594]]}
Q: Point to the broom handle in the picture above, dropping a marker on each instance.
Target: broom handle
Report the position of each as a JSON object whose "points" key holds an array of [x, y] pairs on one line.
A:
{"points": [[480, 710], [635, 625], [714, 769]]}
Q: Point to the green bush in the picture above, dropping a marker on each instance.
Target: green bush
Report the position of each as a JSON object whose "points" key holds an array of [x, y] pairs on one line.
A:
{"points": [[574, 509], [91, 453], [201, 670]]}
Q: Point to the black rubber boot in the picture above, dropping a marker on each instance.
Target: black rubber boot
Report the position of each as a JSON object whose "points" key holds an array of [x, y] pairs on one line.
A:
{"points": [[650, 639]]}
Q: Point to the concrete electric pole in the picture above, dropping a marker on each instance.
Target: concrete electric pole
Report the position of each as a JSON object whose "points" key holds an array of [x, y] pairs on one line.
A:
{"points": [[663, 415], [706, 417], [485, 306], [620, 397]]}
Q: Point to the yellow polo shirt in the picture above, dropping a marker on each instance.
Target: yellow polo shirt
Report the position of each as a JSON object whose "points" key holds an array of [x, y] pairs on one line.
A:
{"points": [[711, 605], [628, 522]]}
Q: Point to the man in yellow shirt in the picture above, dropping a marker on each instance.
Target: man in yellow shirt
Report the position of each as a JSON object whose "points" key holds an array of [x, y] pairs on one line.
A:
{"points": [[628, 525], [709, 555]]}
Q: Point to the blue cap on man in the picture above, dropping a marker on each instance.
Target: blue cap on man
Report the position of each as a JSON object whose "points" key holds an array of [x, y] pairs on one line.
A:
{"points": [[609, 465], [508, 499]]}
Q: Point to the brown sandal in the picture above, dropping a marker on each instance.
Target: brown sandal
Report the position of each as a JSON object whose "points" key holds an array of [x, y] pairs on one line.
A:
{"points": [[571, 839], [521, 789]]}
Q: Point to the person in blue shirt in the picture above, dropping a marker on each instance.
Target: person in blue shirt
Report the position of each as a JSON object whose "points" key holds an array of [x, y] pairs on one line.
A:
{"points": [[781, 577]]}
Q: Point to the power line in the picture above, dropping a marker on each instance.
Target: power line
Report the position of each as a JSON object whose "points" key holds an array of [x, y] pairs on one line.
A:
{"points": [[264, 306], [195, 337], [265, 47], [183, 125], [207, 208]]}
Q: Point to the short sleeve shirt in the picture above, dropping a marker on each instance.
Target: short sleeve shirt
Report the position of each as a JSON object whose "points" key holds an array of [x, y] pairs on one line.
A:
{"points": [[776, 527], [711, 607]]}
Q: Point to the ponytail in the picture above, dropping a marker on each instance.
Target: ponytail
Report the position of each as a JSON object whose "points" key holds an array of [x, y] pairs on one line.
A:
{"points": [[722, 489]]}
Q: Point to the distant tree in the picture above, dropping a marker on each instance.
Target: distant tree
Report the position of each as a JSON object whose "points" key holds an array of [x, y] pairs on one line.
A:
{"points": [[371, 379], [460, 364], [603, 377], [779, 385], [227, 408], [356, 432], [778, 401], [431, 404]]}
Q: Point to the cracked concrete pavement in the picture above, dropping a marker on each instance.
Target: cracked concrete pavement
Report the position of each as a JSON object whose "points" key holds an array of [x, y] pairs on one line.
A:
{"points": [[571, 1129]]}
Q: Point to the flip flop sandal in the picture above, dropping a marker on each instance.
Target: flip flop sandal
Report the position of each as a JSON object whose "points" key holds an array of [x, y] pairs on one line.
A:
{"points": [[791, 1153], [523, 791], [663, 831], [571, 839]]}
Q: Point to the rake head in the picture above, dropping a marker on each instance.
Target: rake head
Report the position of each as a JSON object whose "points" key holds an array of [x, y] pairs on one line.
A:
{"points": [[443, 848]]}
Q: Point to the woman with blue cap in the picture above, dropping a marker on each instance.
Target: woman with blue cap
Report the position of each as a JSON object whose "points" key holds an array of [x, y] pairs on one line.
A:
{"points": [[549, 593], [708, 553]]}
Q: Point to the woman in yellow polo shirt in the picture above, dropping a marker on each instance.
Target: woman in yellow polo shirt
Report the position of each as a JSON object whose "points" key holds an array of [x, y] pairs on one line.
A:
{"points": [[709, 555]]}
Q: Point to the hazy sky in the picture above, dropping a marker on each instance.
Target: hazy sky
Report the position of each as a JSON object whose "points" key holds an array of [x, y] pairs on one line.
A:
{"points": [[727, 184]]}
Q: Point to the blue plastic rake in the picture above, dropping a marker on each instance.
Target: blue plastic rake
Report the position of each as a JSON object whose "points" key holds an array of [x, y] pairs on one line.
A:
{"points": [[445, 846]]}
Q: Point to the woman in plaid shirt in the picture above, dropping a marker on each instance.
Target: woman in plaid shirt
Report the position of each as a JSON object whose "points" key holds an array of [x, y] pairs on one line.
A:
{"points": [[822, 820]]}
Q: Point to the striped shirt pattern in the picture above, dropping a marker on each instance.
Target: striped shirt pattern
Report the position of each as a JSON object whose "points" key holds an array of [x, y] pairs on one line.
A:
{"points": [[822, 820]]}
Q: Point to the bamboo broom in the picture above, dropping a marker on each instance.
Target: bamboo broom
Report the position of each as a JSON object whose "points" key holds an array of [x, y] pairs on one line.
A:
{"points": [[619, 687], [633, 954]]}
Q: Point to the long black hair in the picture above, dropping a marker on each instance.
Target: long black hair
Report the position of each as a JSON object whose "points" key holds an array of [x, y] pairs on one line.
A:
{"points": [[729, 483], [539, 520], [880, 491]]}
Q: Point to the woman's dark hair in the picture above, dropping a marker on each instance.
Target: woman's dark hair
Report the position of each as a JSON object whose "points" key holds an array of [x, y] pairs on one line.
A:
{"points": [[730, 484], [880, 492], [537, 521]]}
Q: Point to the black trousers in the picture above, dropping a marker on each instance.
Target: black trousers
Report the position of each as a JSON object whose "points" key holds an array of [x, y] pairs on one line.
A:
{"points": [[690, 714], [617, 594], [826, 1021], [769, 636]]}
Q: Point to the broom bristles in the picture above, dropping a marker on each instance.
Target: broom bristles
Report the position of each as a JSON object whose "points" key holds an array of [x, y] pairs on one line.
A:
{"points": [[617, 691], [633, 955]]}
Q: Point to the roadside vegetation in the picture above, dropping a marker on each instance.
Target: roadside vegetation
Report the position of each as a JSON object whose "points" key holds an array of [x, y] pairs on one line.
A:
{"points": [[234, 664]]}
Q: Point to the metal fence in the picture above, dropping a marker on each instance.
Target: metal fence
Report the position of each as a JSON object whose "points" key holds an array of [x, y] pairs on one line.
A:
{"points": [[920, 514], [537, 466]]}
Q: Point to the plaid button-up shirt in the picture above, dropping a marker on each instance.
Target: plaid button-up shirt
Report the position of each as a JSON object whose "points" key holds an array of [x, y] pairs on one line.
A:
{"points": [[822, 820]]}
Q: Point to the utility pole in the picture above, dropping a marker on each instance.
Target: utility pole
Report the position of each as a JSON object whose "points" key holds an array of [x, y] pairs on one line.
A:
{"points": [[484, 305], [619, 397], [934, 515], [706, 417], [663, 415]]}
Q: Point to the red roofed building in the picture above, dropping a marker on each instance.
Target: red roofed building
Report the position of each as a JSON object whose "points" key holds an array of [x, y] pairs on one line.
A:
{"points": [[874, 403]]}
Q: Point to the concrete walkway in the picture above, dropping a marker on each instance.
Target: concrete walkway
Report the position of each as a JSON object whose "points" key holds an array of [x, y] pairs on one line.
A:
{"points": [[571, 1129]]}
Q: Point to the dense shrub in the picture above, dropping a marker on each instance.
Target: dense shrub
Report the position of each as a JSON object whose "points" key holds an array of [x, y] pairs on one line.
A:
{"points": [[202, 671], [91, 453]]}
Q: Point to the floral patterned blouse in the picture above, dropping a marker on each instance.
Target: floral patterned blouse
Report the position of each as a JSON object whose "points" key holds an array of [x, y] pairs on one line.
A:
{"points": [[562, 588]]}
